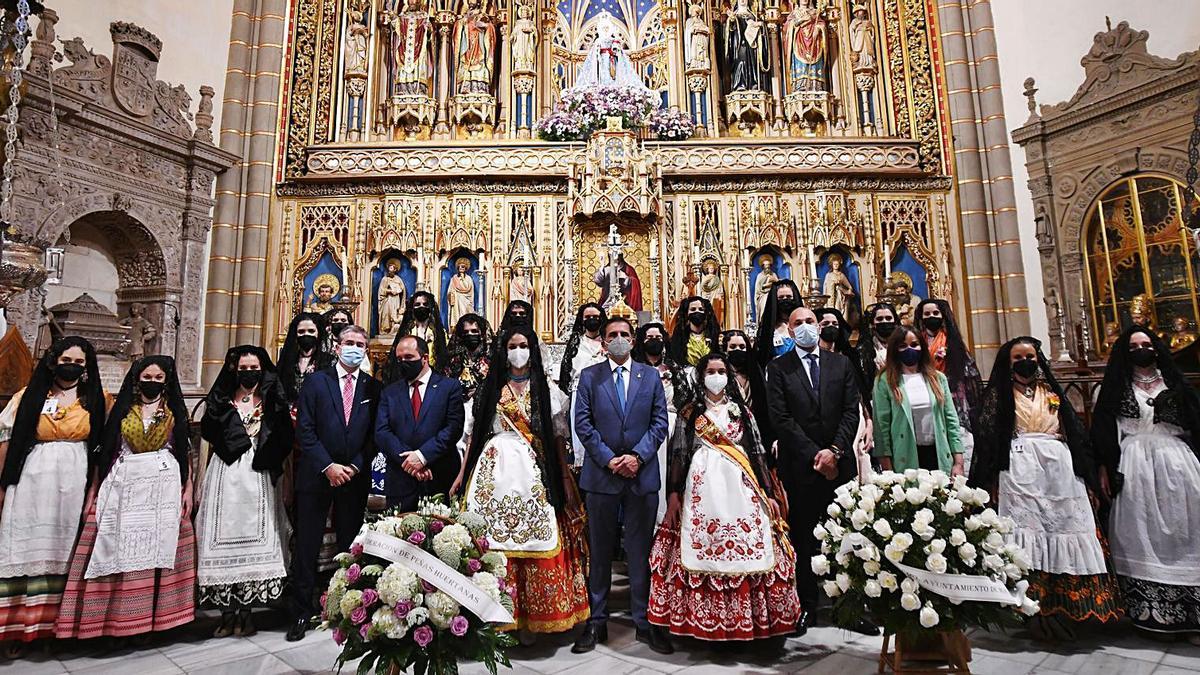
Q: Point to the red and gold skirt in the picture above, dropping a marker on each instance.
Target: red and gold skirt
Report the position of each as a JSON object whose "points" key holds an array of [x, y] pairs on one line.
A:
{"points": [[551, 593], [720, 607]]}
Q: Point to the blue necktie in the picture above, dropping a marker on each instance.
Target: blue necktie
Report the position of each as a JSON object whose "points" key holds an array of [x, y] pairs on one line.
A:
{"points": [[621, 387], [814, 371]]}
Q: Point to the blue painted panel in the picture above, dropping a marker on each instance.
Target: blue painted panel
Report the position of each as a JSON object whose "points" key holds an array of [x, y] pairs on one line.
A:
{"points": [[408, 274], [782, 269], [902, 261], [449, 271], [326, 265]]}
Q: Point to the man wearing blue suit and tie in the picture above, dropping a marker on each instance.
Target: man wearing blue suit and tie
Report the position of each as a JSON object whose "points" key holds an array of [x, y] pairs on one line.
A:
{"points": [[335, 419], [419, 424], [620, 419]]}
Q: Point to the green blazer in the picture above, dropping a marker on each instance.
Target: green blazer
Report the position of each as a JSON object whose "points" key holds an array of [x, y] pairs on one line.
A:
{"points": [[893, 422]]}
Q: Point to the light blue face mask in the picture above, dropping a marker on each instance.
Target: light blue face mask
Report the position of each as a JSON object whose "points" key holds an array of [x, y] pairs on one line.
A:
{"points": [[807, 335], [351, 356]]}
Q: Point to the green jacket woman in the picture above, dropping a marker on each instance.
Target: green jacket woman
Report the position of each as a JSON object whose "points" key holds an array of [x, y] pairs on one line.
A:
{"points": [[911, 400]]}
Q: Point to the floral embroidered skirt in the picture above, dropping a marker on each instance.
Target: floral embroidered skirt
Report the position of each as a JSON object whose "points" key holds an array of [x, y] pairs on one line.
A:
{"points": [[1078, 597], [1162, 608], [131, 603], [720, 607], [551, 594]]}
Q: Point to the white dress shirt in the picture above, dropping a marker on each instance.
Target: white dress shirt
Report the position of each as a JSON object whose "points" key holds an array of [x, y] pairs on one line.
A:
{"points": [[342, 372], [625, 375]]}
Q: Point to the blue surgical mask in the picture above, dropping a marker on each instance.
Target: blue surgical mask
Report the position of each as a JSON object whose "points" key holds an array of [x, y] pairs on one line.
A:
{"points": [[351, 356], [806, 335]]}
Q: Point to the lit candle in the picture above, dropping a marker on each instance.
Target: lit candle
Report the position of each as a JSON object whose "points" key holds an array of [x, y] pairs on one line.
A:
{"points": [[812, 265], [887, 261]]}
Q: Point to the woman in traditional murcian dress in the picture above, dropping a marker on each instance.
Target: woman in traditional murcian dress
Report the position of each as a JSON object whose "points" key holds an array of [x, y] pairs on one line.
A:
{"points": [[1033, 454], [584, 349], [1146, 430], [47, 433], [133, 570], [242, 527], [720, 567], [517, 476]]}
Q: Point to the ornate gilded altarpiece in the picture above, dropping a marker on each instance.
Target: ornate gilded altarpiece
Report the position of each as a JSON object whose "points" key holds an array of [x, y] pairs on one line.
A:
{"points": [[367, 175]]}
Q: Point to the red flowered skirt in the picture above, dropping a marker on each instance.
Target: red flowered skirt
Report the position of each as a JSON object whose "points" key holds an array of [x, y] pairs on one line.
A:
{"points": [[719, 607], [551, 593], [121, 605], [1078, 597]]}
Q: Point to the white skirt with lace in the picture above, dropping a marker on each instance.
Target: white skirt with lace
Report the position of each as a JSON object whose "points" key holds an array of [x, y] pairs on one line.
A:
{"points": [[1050, 509]]}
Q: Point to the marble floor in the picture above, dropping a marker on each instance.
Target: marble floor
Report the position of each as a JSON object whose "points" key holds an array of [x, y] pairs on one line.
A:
{"points": [[1098, 651]]}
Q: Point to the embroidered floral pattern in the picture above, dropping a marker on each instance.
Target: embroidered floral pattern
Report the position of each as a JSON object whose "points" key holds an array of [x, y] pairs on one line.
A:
{"points": [[727, 541]]}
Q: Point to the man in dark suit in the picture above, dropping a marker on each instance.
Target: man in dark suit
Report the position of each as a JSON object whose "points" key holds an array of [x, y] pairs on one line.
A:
{"points": [[418, 427], [813, 400], [334, 420], [620, 419]]}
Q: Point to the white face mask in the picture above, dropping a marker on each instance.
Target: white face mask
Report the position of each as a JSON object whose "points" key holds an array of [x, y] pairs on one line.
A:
{"points": [[716, 382], [518, 357], [806, 335]]}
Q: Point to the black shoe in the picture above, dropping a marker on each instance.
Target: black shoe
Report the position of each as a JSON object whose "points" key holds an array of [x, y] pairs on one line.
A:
{"points": [[656, 639], [589, 638], [864, 627], [297, 631], [805, 621]]}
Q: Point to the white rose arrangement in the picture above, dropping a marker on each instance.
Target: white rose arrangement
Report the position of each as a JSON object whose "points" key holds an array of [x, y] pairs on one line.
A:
{"points": [[924, 520]]}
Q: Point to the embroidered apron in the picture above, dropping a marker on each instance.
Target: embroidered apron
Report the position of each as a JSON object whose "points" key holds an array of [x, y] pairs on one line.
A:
{"points": [[137, 515]]}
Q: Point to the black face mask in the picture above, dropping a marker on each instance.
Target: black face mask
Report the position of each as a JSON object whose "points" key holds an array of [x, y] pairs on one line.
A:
{"points": [[653, 347], [150, 389], [518, 320], [1143, 357], [1026, 368], [68, 372], [249, 379], [306, 343], [696, 319], [933, 323], [472, 341], [421, 313], [336, 328], [409, 370], [738, 358], [885, 329], [591, 323], [784, 309], [830, 334]]}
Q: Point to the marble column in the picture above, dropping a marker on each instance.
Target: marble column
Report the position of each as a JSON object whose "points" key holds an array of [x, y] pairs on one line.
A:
{"points": [[237, 273], [995, 278]]}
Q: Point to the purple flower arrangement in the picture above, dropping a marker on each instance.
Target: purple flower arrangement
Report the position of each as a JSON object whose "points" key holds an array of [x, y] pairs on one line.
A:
{"points": [[580, 112], [671, 125], [396, 621]]}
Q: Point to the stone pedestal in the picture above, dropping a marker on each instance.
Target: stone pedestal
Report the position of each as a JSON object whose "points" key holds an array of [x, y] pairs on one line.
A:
{"points": [[807, 112], [747, 113], [473, 115], [412, 115]]}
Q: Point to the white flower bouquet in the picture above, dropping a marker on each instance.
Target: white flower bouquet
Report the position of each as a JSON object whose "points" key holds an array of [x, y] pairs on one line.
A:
{"points": [[936, 527], [384, 612], [672, 125]]}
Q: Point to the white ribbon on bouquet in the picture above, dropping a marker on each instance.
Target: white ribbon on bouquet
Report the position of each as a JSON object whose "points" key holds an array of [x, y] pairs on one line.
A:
{"points": [[429, 568]]}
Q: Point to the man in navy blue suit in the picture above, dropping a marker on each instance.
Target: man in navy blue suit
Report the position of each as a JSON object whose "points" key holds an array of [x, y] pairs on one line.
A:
{"points": [[335, 418], [418, 427], [620, 419]]}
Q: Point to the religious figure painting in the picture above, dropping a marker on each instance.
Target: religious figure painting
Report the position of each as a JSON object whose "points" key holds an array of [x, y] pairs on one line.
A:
{"points": [[474, 49], [626, 279], [410, 62], [765, 274]]}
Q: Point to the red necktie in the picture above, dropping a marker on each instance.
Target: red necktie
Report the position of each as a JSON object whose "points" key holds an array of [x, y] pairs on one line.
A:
{"points": [[348, 397], [416, 400]]}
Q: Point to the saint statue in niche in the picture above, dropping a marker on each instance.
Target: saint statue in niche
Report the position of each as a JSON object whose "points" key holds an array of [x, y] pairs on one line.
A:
{"points": [[607, 63], [837, 285], [520, 288], [525, 38], [696, 32], [763, 283], [746, 49], [711, 288], [460, 296], [392, 296], [805, 43], [410, 64], [474, 50], [326, 286], [141, 331]]}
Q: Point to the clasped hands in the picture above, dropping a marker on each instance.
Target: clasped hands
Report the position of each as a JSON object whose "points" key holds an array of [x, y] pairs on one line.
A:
{"points": [[825, 463], [414, 467], [625, 466]]}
